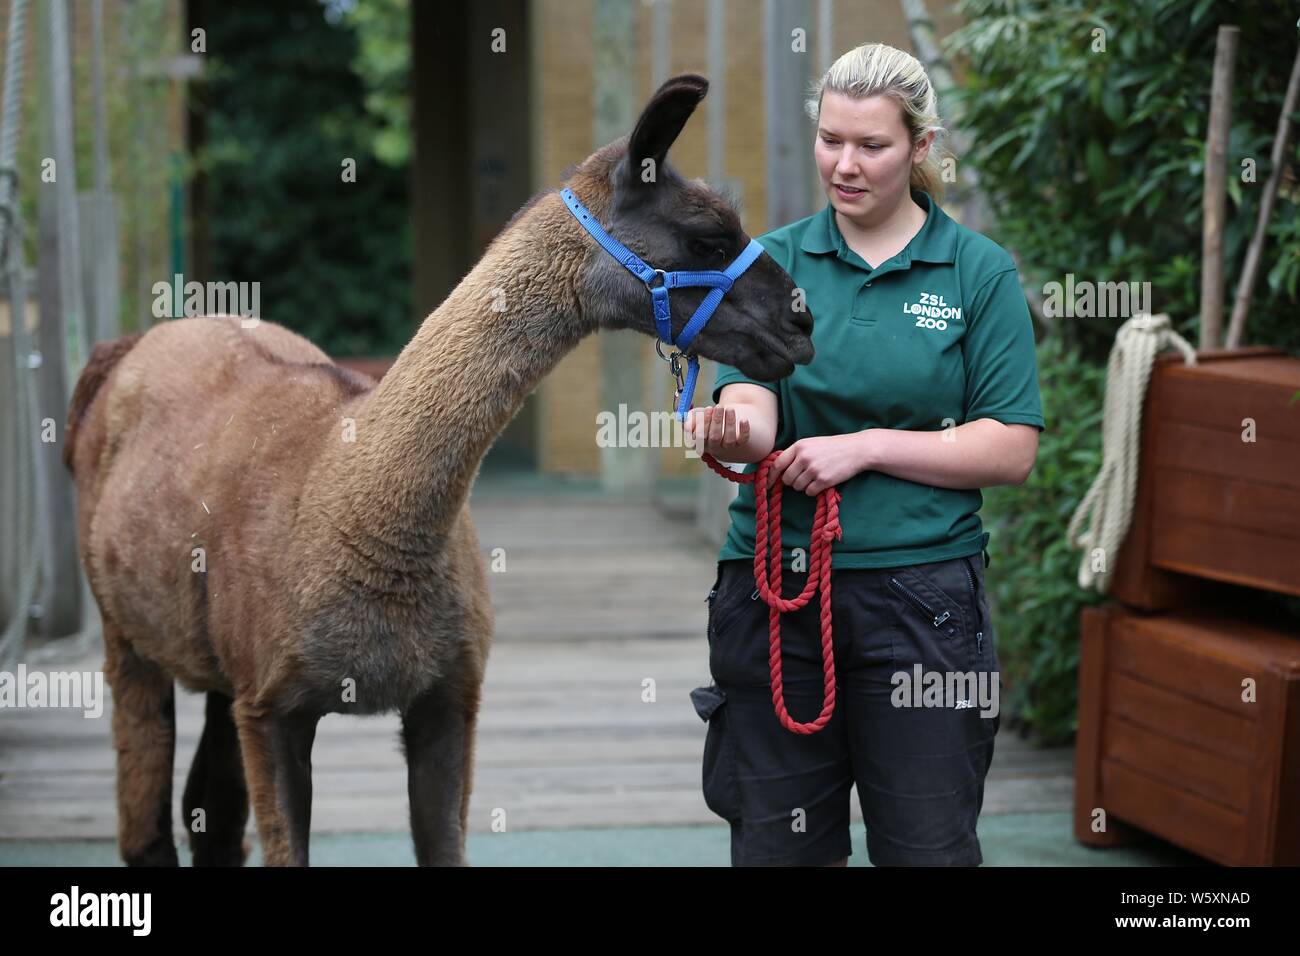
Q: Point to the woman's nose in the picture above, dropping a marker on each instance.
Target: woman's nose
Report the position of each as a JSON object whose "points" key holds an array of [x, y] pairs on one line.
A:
{"points": [[845, 165]]}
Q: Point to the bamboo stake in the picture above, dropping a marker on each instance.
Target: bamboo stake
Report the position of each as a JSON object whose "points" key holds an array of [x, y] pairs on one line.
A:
{"points": [[1214, 199], [1255, 251]]}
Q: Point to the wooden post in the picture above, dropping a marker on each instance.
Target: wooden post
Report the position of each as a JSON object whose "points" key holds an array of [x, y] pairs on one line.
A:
{"points": [[60, 323], [11, 460], [1254, 253], [614, 102], [441, 159], [788, 135], [713, 496], [1214, 198], [656, 383], [1089, 794]]}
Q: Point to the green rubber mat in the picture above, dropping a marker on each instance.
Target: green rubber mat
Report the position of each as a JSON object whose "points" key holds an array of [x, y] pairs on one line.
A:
{"points": [[1013, 839]]}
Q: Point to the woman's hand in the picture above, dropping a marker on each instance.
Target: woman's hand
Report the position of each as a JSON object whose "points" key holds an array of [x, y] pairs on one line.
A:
{"points": [[721, 429], [812, 465]]}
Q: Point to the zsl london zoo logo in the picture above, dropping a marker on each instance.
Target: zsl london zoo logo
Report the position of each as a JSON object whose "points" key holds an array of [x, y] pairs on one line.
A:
{"points": [[932, 312]]}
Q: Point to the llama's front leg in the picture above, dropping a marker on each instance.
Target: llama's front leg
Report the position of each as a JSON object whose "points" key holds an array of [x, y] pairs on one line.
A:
{"points": [[277, 762], [144, 733], [438, 736]]}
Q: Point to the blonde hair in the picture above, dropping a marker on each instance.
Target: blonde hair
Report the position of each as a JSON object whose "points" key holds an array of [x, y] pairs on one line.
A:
{"points": [[876, 68]]}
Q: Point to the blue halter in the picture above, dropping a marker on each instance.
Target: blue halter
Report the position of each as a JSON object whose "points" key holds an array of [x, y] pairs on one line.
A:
{"points": [[718, 284]]}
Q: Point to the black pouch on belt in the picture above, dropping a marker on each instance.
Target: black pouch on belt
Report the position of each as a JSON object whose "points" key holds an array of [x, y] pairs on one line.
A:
{"points": [[707, 700]]}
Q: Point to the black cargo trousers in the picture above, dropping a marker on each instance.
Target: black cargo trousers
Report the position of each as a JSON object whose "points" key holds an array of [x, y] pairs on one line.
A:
{"points": [[917, 684]]}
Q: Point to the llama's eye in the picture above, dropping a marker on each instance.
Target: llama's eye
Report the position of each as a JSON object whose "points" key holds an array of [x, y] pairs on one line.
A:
{"points": [[708, 250]]}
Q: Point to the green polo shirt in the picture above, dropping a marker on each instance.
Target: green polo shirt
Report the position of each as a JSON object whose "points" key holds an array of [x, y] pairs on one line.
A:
{"points": [[937, 336]]}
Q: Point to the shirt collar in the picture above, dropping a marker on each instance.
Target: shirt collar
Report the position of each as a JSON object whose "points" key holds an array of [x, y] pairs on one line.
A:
{"points": [[936, 242]]}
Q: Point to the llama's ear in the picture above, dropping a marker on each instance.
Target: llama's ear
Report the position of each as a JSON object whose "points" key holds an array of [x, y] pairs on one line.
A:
{"points": [[662, 121]]}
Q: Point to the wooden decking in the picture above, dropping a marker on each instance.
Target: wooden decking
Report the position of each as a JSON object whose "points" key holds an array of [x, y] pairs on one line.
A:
{"points": [[597, 596]]}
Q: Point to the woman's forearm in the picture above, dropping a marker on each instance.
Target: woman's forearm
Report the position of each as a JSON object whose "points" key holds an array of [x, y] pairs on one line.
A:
{"points": [[978, 454]]}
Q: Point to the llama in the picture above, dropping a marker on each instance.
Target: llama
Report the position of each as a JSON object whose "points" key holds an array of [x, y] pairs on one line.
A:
{"points": [[293, 539]]}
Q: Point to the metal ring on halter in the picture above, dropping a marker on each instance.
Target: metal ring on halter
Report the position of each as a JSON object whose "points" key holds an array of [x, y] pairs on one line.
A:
{"points": [[663, 280], [660, 353]]}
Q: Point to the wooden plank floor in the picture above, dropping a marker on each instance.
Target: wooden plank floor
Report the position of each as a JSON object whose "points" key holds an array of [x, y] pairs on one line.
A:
{"points": [[596, 597]]}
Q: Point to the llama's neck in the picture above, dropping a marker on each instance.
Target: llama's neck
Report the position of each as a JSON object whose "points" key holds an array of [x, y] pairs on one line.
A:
{"points": [[421, 434]]}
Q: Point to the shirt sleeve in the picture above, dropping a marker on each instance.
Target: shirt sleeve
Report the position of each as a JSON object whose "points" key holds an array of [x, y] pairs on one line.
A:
{"points": [[998, 352], [730, 375]]}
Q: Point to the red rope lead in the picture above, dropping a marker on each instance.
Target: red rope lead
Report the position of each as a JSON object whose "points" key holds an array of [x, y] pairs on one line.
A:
{"points": [[825, 529]]}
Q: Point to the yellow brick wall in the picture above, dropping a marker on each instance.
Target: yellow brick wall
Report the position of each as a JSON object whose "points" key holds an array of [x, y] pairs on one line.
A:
{"points": [[569, 397]]}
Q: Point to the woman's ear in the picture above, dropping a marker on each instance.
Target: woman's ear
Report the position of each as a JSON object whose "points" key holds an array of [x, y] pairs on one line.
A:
{"points": [[921, 148]]}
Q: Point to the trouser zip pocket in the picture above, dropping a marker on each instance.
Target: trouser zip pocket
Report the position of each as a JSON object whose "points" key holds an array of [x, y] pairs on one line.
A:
{"points": [[914, 599], [975, 603]]}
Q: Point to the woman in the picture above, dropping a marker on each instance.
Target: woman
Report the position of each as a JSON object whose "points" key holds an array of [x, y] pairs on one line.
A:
{"points": [[923, 391]]}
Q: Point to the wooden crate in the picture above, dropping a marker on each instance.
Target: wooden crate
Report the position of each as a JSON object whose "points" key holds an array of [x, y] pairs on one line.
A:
{"points": [[1167, 744], [1210, 505]]}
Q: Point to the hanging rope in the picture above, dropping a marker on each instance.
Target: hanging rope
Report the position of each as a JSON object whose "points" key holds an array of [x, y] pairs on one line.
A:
{"points": [[1108, 505], [825, 529]]}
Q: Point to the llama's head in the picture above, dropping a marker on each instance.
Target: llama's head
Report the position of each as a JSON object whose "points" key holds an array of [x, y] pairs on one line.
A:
{"points": [[677, 224]]}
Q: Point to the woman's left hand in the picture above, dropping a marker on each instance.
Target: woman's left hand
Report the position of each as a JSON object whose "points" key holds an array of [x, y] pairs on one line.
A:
{"points": [[812, 465]]}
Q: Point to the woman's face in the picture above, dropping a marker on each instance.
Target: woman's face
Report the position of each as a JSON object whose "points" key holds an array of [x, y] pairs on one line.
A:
{"points": [[865, 155]]}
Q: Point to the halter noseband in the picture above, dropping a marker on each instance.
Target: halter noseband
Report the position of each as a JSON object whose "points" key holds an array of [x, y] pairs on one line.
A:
{"points": [[718, 284]]}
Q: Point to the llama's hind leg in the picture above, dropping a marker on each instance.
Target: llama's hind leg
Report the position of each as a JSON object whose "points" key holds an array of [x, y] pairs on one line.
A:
{"points": [[216, 787], [144, 734], [438, 736], [277, 761]]}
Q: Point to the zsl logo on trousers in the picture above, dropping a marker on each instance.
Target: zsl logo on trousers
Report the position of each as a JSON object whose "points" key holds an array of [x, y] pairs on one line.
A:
{"points": [[932, 312]]}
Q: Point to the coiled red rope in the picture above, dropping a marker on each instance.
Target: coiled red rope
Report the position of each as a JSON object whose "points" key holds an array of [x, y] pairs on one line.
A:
{"points": [[825, 529]]}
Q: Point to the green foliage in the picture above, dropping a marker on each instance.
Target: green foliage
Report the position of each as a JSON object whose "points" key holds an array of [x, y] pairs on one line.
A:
{"points": [[383, 62], [286, 108], [1033, 581], [141, 144], [1093, 161]]}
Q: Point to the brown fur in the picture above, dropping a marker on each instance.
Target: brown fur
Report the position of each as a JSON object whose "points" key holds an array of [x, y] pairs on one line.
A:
{"points": [[102, 359], [339, 575]]}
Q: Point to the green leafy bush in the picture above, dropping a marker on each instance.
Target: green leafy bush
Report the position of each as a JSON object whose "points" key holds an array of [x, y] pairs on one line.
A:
{"points": [[1088, 123], [1033, 577], [286, 105], [1093, 158]]}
